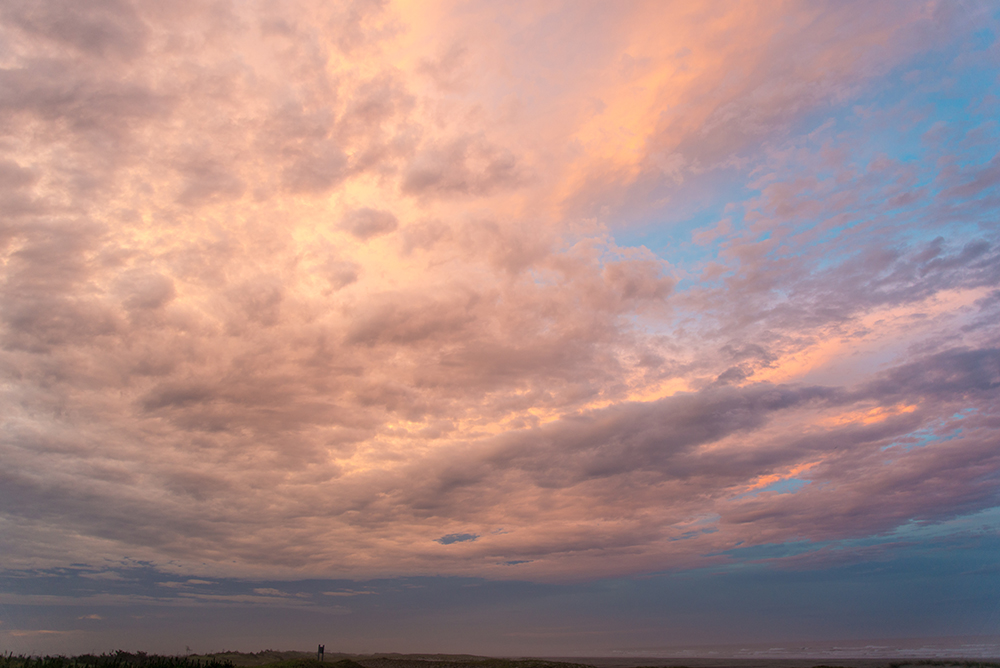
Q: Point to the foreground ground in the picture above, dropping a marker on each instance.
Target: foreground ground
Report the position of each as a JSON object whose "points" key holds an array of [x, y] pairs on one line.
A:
{"points": [[275, 659]]}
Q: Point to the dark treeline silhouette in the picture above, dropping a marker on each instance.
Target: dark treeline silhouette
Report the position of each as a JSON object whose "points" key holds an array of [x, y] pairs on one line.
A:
{"points": [[118, 659]]}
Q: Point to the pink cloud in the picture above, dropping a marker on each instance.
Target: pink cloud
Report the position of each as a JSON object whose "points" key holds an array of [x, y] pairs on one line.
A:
{"points": [[295, 289]]}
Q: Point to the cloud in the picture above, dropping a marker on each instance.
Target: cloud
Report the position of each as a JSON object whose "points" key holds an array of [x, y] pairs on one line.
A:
{"points": [[102, 29], [456, 538], [303, 291], [366, 223], [462, 166]]}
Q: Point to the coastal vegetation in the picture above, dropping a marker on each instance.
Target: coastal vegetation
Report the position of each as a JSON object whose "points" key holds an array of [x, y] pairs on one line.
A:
{"points": [[276, 659]]}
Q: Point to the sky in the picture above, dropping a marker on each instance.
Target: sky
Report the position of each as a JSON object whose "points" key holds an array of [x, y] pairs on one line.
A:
{"points": [[514, 328]]}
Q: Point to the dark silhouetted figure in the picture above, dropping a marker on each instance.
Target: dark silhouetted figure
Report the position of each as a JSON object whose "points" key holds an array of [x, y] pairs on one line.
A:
{"points": [[319, 652]]}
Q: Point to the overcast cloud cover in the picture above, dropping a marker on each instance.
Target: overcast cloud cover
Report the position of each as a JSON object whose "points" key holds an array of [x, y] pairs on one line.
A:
{"points": [[305, 303]]}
